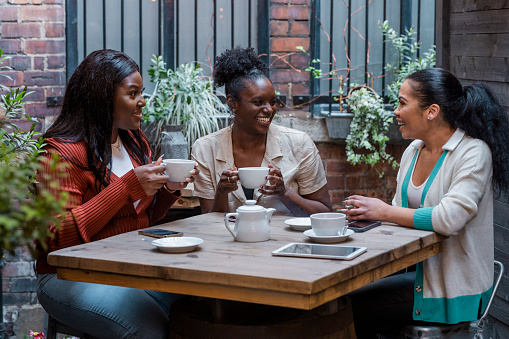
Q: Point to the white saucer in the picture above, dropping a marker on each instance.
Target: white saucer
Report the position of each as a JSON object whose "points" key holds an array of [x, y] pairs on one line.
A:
{"points": [[177, 244], [299, 224], [329, 238]]}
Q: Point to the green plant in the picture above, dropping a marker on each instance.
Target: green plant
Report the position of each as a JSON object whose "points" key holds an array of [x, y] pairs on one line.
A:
{"points": [[25, 215], [368, 129], [407, 48], [182, 97], [368, 137]]}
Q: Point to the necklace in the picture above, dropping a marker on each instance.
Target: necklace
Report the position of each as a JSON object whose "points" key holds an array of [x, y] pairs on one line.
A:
{"points": [[116, 144]]}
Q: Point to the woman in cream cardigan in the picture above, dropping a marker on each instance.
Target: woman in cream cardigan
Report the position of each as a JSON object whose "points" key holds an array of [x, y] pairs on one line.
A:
{"points": [[444, 185]]}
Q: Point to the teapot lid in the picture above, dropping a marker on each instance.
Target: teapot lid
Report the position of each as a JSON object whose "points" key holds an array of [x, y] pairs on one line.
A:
{"points": [[250, 206]]}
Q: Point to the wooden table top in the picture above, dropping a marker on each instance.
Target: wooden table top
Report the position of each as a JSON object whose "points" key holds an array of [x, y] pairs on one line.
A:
{"points": [[225, 269]]}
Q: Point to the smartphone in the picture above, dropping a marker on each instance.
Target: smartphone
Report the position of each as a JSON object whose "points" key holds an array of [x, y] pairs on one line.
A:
{"points": [[160, 233], [363, 225], [320, 251]]}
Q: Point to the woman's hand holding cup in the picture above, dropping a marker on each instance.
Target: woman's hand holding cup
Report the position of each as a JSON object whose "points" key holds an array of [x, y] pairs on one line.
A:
{"points": [[228, 181], [277, 184], [179, 169], [151, 177]]}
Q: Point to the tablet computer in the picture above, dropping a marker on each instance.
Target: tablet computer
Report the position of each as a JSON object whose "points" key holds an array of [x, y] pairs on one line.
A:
{"points": [[320, 251]]}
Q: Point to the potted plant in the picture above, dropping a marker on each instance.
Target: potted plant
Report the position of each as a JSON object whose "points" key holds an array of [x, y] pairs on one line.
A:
{"points": [[181, 97], [24, 214], [367, 139]]}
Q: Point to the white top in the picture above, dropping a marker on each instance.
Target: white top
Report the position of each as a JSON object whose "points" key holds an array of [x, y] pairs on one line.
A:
{"points": [[414, 194], [120, 161]]}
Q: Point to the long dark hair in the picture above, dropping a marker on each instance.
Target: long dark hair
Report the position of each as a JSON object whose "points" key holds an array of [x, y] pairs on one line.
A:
{"points": [[87, 111], [236, 65], [473, 108]]}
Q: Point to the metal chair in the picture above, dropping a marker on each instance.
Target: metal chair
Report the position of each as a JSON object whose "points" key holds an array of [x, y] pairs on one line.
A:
{"points": [[470, 329], [53, 327]]}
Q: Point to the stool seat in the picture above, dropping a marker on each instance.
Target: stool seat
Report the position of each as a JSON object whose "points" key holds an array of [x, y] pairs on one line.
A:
{"points": [[435, 331]]}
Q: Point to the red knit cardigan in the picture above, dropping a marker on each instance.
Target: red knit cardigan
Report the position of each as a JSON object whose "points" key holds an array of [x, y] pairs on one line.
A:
{"points": [[91, 215]]}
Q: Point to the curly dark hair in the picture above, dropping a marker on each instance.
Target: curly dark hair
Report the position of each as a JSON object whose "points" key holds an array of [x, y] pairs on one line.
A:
{"points": [[236, 65], [473, 108], [87, 111]]}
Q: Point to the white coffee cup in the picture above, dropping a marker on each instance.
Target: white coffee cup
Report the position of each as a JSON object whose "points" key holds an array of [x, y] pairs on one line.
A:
{"points": [[253, 177], [178, 169], [327, 224]]}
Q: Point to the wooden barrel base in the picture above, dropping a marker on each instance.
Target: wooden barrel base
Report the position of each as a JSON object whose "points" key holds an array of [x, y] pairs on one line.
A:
{"points": [[193, 318]]}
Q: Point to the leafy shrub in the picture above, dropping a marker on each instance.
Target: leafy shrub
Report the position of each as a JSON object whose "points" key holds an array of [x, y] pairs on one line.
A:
{"points": [[24, 214]]}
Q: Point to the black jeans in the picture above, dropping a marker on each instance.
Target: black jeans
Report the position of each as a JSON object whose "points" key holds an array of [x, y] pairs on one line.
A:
{"points": [[383, 304]]}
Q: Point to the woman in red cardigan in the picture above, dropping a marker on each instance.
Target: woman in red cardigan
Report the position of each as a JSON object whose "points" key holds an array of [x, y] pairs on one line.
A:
{"points": [[113, 187]]}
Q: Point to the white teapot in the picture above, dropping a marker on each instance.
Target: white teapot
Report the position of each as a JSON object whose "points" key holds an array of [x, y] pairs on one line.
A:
{"points": [[252, 222]]}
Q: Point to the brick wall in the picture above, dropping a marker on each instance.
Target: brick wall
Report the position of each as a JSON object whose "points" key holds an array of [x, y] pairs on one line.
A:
{"points": [[344, 179], [32, 32], [19, 278], [289, 28], [19, 294]]}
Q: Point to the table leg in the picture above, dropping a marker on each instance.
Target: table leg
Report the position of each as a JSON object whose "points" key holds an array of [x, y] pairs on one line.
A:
{"points": [[218, 311]]}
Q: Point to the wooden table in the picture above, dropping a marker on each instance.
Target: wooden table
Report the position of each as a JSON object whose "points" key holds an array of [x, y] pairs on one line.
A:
{"points": [[224, 269]]}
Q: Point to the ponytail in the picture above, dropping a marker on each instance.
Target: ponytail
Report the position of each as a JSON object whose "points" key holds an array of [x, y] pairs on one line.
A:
{"points": [[483, 117]]}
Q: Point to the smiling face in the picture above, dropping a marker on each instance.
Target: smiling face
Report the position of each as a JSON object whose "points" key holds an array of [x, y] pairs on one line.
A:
{"points": [[256, 107], [412, 119], [127, 104]]}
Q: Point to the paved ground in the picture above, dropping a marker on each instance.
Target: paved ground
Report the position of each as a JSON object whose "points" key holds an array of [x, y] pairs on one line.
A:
{"points": [[31, 318]]}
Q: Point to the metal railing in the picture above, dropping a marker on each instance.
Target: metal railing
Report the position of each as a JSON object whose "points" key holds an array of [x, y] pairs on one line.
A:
{"points": [[347, 39], [180, 30]]}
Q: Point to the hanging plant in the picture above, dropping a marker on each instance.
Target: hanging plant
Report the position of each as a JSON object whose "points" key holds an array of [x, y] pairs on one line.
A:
{"points": [[368, 137]]}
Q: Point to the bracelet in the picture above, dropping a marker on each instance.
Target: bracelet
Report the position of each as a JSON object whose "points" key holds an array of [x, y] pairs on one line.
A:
{"points": [[169, 190]]}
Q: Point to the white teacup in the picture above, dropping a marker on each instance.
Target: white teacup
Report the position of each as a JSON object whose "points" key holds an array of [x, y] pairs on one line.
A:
{"points": [[327, 224], [253, 177], [178, 169]]}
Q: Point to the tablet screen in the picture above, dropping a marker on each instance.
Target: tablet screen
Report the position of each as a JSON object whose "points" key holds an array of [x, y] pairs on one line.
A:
{"points": [[320, 251]]}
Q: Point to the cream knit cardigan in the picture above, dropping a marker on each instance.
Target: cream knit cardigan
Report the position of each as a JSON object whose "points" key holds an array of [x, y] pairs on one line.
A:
{"points": [[457, 202]]}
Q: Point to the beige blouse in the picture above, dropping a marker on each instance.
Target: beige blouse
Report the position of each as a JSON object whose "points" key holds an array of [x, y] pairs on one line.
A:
{"points": [[291, 151]]}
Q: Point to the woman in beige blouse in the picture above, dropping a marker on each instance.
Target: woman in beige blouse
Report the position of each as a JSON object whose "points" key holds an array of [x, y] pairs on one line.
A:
{"points": [[296, 182]]}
